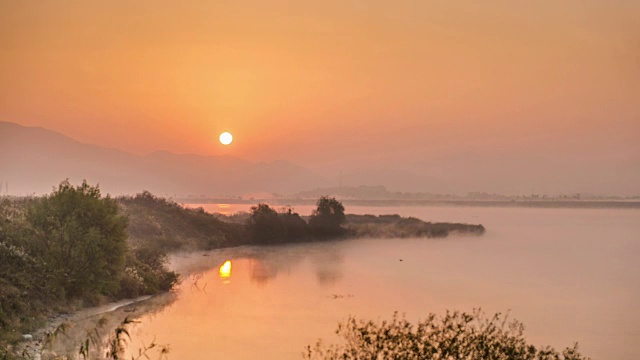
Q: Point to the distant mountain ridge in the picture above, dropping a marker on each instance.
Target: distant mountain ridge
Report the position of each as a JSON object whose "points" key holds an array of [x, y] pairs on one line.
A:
{"points": [[33, 159]]}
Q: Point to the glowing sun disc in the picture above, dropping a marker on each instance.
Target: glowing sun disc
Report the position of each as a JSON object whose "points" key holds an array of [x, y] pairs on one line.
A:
{"points": [[226, 138]]}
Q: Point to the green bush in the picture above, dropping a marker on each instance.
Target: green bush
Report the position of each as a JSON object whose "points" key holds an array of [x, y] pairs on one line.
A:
{"points": [[81, 236], [457, 335], [146, 272], [65, 249]]}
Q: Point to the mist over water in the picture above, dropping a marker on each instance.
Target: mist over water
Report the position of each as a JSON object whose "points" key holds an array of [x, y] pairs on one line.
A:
{"points": [[567, 274]]}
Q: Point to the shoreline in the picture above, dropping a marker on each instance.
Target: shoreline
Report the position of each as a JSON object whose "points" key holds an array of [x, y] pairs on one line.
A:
{"points": [[33, 348]]}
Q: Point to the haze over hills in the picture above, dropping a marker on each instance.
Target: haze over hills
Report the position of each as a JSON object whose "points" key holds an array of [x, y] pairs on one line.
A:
{"points": [[33, 160]]}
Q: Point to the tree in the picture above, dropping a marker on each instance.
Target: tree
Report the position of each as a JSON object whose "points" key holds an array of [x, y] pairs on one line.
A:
{"points": [[82, 239], [295, 227], [265, 224], [328, 217]]}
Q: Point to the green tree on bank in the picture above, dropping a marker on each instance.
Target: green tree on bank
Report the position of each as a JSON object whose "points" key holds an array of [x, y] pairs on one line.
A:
{"points": [[82, 238], [69, 248]]}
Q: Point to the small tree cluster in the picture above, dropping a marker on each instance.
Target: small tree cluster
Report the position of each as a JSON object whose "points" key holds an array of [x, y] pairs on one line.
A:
{"points": [[328, 217], [267, 226], [457, 335], [270, 227]]}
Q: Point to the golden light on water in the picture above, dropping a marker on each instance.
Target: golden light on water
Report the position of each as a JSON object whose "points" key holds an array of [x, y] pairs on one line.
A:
{"points": [[225, 270], [224, 209]]}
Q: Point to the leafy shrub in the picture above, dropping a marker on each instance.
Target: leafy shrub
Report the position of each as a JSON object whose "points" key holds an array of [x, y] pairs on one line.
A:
{"points": [[457, 335], [68, 248], [82, 238], [146, 272]]}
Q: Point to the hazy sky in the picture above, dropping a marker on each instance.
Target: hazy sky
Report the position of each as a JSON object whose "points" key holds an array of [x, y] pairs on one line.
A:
{"points": [[435, 88]]}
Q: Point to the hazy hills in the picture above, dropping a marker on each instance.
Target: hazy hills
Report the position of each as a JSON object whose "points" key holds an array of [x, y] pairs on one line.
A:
{"points": [[32, 160]]}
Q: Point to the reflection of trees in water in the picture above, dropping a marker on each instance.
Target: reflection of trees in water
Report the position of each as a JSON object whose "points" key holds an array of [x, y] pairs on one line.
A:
{"points": [[262, 272], [266, 262], [328, 277], [328, 267], [326, 258]]}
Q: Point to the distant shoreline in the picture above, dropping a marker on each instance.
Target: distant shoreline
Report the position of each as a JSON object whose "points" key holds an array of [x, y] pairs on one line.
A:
{"points": [[586, 204]]}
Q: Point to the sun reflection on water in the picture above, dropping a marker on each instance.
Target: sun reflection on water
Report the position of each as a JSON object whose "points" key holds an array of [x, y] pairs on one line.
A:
{"points": [[224, 209], [225, 272]]}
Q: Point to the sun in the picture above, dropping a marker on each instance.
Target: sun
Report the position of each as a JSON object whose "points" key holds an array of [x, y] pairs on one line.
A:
{"points": [[226, 138]]}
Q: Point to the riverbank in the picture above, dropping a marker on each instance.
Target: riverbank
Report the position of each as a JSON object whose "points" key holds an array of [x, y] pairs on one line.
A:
{"points": [[65, 251], [64, 333], [33, 347]]}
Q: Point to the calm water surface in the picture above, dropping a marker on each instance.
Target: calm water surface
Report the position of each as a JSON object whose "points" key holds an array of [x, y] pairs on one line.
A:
{"points": [[567, 274]]}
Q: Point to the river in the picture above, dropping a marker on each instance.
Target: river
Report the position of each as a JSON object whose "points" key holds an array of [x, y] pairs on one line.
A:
{"points": [[568, 274]]}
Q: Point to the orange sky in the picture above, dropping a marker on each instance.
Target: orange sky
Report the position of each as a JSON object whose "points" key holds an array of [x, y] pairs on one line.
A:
{"points": [[332, 84]]}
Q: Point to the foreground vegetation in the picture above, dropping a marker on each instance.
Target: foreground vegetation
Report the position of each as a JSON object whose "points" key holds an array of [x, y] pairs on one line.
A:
{"points": [[457, 335], [75, 247], [67, 250]]}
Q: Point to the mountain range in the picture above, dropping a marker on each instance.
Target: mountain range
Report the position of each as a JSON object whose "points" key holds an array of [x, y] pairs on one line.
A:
{"points": [[33, 160]]}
